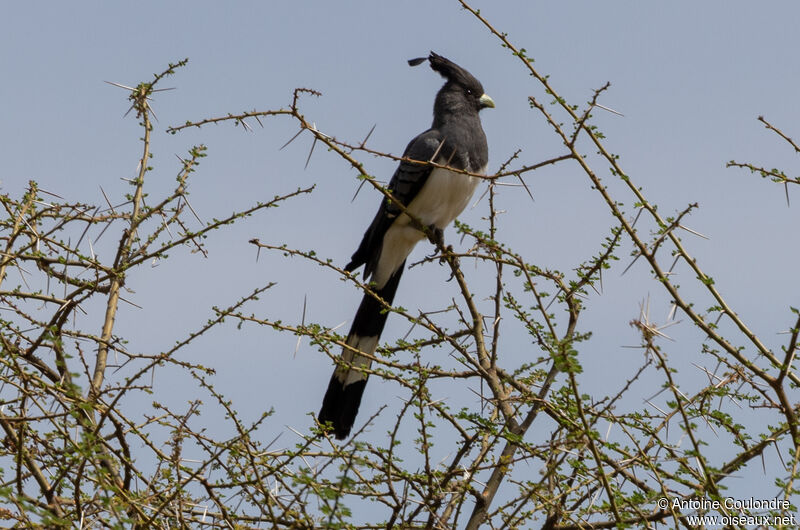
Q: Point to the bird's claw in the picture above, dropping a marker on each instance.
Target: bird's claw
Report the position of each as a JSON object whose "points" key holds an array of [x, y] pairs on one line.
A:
{"points": [[449, 252], [436, 236]]}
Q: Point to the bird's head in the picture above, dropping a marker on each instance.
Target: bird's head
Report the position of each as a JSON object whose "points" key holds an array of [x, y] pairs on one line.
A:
{"points": [[460, 91]]}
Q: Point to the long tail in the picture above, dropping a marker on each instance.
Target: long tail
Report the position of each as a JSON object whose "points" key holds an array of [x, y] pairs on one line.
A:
{"points": [[341, 401]]}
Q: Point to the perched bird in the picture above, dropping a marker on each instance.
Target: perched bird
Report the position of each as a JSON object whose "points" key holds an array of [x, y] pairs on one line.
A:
{"points": [[433, 195]]}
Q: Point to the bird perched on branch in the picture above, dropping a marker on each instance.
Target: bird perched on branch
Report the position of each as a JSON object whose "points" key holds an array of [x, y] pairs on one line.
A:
{"points": [[432, 198]]}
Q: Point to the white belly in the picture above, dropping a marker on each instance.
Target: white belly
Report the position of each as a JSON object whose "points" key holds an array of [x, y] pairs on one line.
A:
{"points": [[443, 197]]}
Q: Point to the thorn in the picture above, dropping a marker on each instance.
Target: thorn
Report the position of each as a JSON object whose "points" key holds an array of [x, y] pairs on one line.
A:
{"points": [[525, 186], [310, 153], [78, 244], [192, 209], [439, 148], [553, 299], [698, 234], [673, 264], [297, 433], [364, 142], [600, 273], [609, 109], [358, 190], [120, 86], [107, 201], [452, 156], [302, 323], [672, 311], [638, 255], [51, 193], [638, 214], [128, 301], [474, 204], [290, 139], [655, 407], [317, 131]]}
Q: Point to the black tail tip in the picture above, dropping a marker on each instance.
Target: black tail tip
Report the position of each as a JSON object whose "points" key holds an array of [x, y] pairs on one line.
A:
{"points": [[340, 406]]}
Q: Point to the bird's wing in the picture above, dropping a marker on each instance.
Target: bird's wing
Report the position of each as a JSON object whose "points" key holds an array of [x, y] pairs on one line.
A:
{"points": [[406, 183]]}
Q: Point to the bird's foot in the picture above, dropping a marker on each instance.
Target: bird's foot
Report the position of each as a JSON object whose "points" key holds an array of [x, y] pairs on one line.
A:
{"points": [[449, 256], [436, 235]]}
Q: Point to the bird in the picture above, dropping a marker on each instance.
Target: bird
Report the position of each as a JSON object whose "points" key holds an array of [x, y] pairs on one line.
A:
{"points": [[434, 196]]}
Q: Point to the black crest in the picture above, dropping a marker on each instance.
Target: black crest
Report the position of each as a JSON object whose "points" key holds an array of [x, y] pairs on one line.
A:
{"points": [[450, 71]]}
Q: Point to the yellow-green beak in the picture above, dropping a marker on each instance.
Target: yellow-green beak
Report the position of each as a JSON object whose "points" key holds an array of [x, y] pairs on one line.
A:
{"points": [[486, 101]]}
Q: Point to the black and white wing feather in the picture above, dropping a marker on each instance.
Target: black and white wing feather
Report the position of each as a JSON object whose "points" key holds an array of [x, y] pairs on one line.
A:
{"points": [[407, 181]]}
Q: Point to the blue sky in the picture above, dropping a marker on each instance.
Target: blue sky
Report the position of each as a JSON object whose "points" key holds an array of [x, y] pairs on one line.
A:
{"points": [[690, 79]]}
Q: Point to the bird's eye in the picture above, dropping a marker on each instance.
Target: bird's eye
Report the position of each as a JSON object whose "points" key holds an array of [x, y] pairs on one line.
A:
{"points": [[469, 91]]}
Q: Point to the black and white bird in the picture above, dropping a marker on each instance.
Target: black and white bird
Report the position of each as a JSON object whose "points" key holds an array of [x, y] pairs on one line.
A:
{"points": [[435, 196]]}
